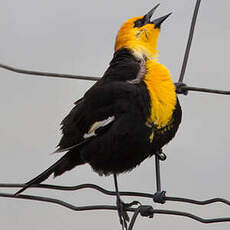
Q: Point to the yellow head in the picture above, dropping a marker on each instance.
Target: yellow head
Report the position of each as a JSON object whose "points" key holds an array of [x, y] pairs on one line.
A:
{"points": [[140, 35]]}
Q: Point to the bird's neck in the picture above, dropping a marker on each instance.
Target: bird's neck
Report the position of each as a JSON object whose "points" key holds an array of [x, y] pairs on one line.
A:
{"points": [[141, 50], [161, 91]]}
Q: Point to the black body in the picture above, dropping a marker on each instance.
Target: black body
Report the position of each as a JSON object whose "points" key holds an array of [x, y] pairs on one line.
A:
{"points": [[124, 144]]}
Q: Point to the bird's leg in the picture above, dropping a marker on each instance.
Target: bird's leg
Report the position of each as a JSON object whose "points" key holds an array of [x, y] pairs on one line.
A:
{"points": [[123, 215]]}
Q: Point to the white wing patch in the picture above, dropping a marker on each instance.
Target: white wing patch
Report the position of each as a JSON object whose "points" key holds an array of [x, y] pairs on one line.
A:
{"points": [[98, 124]]}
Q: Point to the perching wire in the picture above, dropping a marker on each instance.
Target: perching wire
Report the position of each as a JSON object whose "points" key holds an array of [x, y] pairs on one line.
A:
{"points": [[112, 193]]}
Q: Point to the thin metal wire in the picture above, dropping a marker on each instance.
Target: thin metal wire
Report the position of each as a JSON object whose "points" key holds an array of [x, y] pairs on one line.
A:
{"points": [[205, 90], [111, 207], [133, 220], [197, 202], [62, 203], [112, 193], [183, 88], [189, 43], [48, 74], [158, 173]]}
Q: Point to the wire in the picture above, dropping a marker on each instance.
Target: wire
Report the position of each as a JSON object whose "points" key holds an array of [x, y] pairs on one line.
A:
{"points": [[112, 193], [111, 207], [189, 43], [204, 90], [181, 88], [47, 74]]}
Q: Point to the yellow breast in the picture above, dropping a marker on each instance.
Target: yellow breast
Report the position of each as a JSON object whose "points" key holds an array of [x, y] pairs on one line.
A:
{"points": [[162, 93]]}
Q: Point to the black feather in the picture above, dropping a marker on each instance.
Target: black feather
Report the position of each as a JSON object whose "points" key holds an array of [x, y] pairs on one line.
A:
{"points": [[124, 143]]}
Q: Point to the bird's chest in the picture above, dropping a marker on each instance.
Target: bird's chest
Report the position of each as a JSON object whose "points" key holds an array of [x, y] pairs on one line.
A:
{"points": [[162, 95]]}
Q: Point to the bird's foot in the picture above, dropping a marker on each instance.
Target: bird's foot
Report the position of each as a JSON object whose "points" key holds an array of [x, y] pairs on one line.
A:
{"points": [[122, 213]]}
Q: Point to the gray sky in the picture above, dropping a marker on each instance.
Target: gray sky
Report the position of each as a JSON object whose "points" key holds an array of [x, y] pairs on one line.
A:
{"points": [[78, 37]]}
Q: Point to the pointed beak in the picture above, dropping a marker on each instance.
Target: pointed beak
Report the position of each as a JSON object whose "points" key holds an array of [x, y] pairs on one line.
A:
{"points": [[148, 16], [157, 22]]}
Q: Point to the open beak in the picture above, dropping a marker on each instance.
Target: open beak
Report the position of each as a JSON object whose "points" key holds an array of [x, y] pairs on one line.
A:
{"points": [[147, 19], [148, 16], [157, 22]]}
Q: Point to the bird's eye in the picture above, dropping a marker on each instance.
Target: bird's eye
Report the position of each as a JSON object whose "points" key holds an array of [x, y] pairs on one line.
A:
{"points": [[139, 23]]}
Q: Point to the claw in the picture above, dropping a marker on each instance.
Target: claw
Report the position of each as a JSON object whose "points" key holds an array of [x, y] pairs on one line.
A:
{"points": [[123, 215], [135, 202]]}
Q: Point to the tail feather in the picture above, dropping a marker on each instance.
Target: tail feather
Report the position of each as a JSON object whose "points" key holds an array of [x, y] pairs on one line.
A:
{"points": [[73, 160], [67, 162]]}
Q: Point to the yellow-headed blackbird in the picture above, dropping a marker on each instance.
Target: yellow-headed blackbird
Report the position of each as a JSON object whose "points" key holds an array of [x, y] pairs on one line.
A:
{"points": [[128, 115]]}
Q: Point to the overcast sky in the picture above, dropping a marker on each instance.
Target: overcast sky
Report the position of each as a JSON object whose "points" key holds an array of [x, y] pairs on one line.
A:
{"points": [[78, 37]]}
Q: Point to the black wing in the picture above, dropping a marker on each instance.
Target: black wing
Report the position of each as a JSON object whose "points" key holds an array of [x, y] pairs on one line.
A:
{"points": [[99, 101], [104, 101]]}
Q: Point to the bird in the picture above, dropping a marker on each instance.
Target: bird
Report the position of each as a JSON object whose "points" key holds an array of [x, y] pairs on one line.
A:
{"points": [[125, 117]]}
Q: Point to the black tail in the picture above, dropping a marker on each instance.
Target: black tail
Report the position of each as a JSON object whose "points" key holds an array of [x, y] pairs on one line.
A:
{"points": [[67, 162]]}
